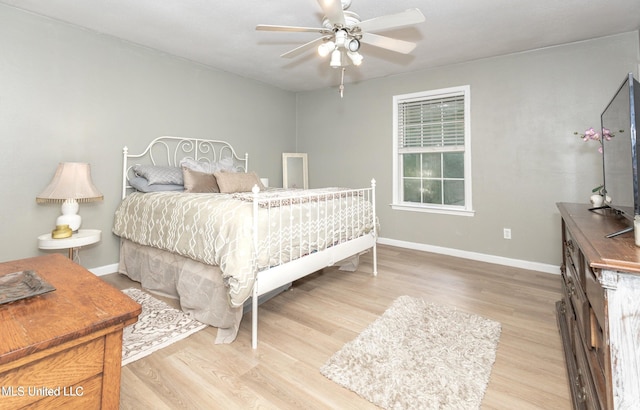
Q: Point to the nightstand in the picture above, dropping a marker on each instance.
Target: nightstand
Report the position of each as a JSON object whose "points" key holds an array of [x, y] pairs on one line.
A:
{"points": [[79, 239]]}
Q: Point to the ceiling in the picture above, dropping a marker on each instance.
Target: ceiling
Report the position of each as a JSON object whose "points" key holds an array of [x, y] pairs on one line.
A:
{"points": [[222, 34]]}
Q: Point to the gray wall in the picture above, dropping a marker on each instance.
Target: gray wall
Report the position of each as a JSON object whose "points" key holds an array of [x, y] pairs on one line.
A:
{"points": [[524, 110], [68, 94]]}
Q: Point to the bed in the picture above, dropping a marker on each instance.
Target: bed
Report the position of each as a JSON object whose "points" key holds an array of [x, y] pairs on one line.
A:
{"points": [[216, 248]]}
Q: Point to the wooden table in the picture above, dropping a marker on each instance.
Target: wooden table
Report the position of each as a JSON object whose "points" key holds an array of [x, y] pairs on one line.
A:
{"points": [[63, 349]]}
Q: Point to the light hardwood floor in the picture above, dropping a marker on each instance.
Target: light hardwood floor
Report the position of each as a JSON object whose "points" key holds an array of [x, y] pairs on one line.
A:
{"points": [[301, 328]]}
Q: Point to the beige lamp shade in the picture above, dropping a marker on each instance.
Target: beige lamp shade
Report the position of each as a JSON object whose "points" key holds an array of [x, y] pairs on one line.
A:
{"points": [[72, 180], [71, 184]]}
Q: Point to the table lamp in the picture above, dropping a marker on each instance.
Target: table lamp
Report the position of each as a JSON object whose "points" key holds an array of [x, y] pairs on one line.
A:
{"points": [[71, 184]]}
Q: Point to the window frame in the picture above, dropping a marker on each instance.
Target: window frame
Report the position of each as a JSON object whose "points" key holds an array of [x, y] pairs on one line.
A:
{"points": [[398, 203]]}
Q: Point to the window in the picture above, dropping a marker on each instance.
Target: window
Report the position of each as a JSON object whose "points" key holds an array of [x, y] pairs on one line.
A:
{"points": [[431, 151]]}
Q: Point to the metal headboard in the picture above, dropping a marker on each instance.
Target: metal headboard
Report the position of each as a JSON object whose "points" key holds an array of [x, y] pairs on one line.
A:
{"points": [[171, 150]]}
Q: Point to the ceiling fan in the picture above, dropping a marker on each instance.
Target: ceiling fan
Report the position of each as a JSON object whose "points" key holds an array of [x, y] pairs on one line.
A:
{"points": [[342, 33]]}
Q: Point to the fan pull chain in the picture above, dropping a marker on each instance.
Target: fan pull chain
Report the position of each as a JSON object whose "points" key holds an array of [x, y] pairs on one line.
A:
{"points": [[341, 88]]}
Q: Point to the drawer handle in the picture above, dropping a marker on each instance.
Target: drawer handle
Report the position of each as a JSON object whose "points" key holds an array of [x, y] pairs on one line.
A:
{"points": [[582, 395], [581, 392], [571, 288], [563, 307], [569, 245]]}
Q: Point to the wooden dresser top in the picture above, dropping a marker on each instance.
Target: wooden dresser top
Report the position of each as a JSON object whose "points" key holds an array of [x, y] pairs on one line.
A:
{"points": [[81, 304], [590, 229]]}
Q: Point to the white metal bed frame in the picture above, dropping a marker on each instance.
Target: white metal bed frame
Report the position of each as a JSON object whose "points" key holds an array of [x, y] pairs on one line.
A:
{"points": [[170, 151]]}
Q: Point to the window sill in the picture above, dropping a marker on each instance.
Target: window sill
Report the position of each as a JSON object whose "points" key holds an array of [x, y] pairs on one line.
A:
{"points": [[433, 210]]}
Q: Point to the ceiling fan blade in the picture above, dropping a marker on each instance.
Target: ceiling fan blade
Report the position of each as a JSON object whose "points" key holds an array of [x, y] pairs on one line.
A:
{"points": [[301, 49], [269, 27], [333, 11], [405, 18], [399, 46]]}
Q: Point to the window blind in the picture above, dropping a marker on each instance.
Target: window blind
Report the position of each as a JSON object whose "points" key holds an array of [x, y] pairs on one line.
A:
{"points": [[433, 123]]}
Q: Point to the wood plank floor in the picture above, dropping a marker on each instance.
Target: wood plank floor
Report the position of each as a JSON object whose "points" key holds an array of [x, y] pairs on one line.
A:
{"points": [[301, 328]]}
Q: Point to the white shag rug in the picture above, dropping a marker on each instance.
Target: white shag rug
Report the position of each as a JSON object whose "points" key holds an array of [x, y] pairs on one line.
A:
{"points": [[158, 326], [419, 355]]}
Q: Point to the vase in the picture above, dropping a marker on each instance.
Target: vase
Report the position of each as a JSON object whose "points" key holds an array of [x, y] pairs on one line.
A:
{"points": [[597, 200]]}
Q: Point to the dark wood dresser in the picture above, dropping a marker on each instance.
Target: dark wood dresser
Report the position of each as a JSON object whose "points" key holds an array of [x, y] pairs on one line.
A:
{"points": [[63, 349], [599, 314]]}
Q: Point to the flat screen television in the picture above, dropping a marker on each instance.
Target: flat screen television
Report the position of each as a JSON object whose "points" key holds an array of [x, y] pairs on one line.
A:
{"points": [[620, 151]]}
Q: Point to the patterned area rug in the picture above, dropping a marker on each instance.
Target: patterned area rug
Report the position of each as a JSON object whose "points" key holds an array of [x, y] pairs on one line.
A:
{"points": [[419, 355], [158, 326]]}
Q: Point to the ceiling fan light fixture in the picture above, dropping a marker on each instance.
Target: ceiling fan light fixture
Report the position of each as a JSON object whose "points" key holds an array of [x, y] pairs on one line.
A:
{"points": [[326, 48], [353, 45], [355, 57], [341, 38], [336, 59], [343, 32]]}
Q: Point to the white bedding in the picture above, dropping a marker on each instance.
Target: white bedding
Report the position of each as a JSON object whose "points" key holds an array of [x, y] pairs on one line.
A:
{"points": [[216, 229]]}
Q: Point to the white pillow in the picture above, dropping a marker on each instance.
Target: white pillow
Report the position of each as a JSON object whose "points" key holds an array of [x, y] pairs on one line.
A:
{"points": [[224, 165]]}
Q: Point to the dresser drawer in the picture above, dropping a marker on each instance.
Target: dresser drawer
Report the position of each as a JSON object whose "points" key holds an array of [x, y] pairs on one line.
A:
{"points": [[595, 293], [579, 304], [569, 319], [597, 341], [573, 258], [56, 376], [586, 389], [86, 396]]}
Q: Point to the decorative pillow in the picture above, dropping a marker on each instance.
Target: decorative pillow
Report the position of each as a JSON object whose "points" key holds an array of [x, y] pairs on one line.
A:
{"points": [[142, 185], [200, 166], [198, 182], [225, 164], [231, 182], [157, 174]]}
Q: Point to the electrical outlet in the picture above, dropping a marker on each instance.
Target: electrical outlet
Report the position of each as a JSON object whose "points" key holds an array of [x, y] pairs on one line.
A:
{"points": [[507, 233]]}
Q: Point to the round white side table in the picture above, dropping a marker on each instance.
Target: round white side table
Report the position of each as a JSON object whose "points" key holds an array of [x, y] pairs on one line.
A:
{"points": [[79, 239]]}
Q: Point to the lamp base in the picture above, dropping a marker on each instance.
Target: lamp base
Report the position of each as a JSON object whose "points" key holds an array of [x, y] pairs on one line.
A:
{"points": [[70, 215], [73, 221], [61, 232]]}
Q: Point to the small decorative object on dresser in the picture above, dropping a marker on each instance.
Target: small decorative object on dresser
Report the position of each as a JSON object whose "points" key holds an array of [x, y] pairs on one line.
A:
{"points": [[596, 200], [63, 349], [599, 314]]}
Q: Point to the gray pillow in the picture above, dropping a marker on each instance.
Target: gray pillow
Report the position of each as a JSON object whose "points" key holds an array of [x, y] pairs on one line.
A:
{"points": [[142, 185], [158, 174]]}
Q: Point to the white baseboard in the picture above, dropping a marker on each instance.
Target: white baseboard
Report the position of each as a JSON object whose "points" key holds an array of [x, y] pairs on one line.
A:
{"points": [[104, 270], [517, 263]]}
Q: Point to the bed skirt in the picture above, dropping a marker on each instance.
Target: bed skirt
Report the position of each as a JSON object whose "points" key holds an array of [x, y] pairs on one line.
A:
{"points": [[198, 287]]}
